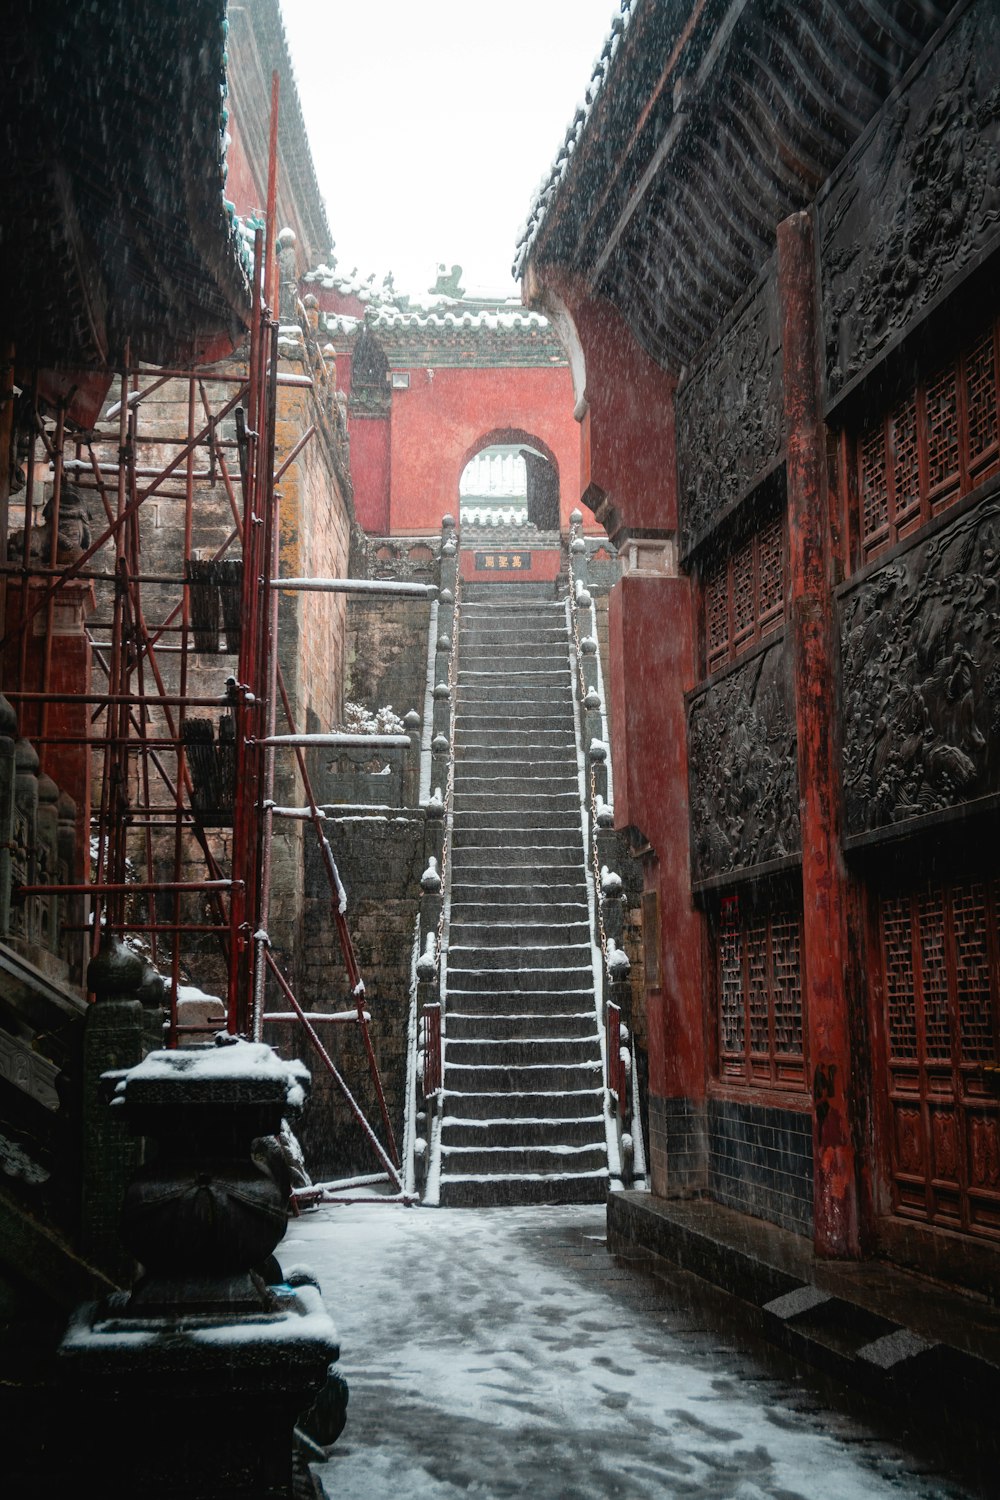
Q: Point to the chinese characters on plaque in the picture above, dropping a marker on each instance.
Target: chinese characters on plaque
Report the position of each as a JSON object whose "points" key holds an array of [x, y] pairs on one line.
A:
{"points": [[503, 562]]}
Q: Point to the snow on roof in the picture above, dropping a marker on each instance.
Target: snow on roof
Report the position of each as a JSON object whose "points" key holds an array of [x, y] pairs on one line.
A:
{"points": [[549, 185], [394, 318], [386, 309]]}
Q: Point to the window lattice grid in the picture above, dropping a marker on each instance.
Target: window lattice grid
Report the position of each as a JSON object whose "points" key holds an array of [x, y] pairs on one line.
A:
{"points": [[900, 986], [972, 972], [743, 595], [934, 976], [937, 443], [942, 431], [717, 615], [786, 952], [771, 574], [981, 400], [732, 1015], [758, 991], [874, 485], [761, 1028], [905, 459], [744, 600]]}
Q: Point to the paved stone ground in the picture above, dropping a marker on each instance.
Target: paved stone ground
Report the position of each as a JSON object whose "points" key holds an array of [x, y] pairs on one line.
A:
{"points": [[496, 1353]]}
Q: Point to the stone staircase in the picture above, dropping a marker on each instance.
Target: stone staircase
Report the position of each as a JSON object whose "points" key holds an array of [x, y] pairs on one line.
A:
{"points": [[523, 1088]]}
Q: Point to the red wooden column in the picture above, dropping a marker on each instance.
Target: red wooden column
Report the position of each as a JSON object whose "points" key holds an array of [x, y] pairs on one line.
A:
{"points": [[824, 894], [651, 666]]}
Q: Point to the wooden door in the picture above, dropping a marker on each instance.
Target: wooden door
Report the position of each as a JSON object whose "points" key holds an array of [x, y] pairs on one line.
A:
{"points": [[940, 956]]}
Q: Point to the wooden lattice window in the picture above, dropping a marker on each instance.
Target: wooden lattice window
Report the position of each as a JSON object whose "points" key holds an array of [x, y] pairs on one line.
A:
{"points": [[744, 594], [759, 994], [935, 445]]}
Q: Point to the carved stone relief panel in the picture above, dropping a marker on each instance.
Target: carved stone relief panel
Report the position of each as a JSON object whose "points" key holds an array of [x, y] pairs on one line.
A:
{"points": [[919, 204], [743, 774], [920, 656], [729, 415]]}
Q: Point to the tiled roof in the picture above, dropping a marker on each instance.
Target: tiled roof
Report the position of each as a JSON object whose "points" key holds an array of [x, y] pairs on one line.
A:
{"points": [[549, 184]]}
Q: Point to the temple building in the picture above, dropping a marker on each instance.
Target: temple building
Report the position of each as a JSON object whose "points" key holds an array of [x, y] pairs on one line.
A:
{"points": [[770, 245]]}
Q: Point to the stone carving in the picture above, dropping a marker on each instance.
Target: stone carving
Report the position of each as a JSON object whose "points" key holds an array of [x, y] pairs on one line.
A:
{"points": [[920, 653], [401, 559], [288, 277], [931, 172], [729, 426], [73, 535], [744, 781]]}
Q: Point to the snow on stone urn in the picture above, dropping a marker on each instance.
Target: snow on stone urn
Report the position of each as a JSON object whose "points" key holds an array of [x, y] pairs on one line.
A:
{"points": [[205, 1215], [190, 1386]]}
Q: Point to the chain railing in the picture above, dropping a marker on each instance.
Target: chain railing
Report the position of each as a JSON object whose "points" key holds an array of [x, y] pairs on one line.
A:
{"points": [[431, 965], [608, 886]]}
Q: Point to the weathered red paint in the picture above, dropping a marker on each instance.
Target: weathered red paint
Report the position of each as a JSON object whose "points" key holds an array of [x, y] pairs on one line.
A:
{"points": [[371, 462], [449, 414], [627, 430], [651, 666], [810, 624]]}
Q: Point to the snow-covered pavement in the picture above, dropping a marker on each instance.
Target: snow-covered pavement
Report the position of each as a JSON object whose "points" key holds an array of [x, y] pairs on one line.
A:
{"points": [[500, 1352]]}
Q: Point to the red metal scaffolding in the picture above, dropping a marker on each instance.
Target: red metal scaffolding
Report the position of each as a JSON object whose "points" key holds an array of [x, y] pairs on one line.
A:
{"points": [[142, 720]]}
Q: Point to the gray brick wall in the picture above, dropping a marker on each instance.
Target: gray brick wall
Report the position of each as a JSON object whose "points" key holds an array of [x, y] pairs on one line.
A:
{"points": [[760, 1162]]}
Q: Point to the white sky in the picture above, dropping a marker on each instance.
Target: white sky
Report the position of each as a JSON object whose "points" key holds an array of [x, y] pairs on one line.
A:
{"points": [[432, 121]]}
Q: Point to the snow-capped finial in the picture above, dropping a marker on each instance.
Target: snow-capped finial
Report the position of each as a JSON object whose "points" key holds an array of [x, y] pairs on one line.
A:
{"points": [[430, 880], [604, 814], [427, 966], [617, 960], [611, 883]]}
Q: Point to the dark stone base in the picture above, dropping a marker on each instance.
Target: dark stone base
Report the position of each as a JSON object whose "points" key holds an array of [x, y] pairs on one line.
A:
{"points": [[928, 1353]]}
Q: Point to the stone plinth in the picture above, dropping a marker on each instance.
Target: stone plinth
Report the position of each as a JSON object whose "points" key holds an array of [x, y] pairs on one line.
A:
{"points": [[190, 1385]]}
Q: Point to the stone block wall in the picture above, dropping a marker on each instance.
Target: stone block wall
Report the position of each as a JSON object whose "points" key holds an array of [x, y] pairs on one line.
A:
{"points": [[387, 653], [380, 856]]}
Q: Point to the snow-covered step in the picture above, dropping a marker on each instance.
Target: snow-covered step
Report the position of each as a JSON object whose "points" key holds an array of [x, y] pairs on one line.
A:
{"points": [[486, 1104], [522, 767], [531, 952], [512, 736], [494, 887], [508, 1052], [552, 1078], [466, 914], [507, 1160], [492, 934], [516, 854], [475, 1024], [468, 1190], [507, 806], [513, 981], [478, 648], [506, 1002], [517, 835], [456, 1131]]}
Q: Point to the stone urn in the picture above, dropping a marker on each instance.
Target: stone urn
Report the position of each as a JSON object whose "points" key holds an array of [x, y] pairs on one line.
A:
{"points": [[190, 1385]]}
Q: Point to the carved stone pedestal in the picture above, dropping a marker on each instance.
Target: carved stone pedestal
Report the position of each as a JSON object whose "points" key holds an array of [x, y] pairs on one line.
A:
{"points": [[188, 1388]]}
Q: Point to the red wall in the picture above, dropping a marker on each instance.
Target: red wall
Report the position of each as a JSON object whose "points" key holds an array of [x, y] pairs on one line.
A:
{"points": [[445, 418], [649, 623], [241, 189], [370, 467]]}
